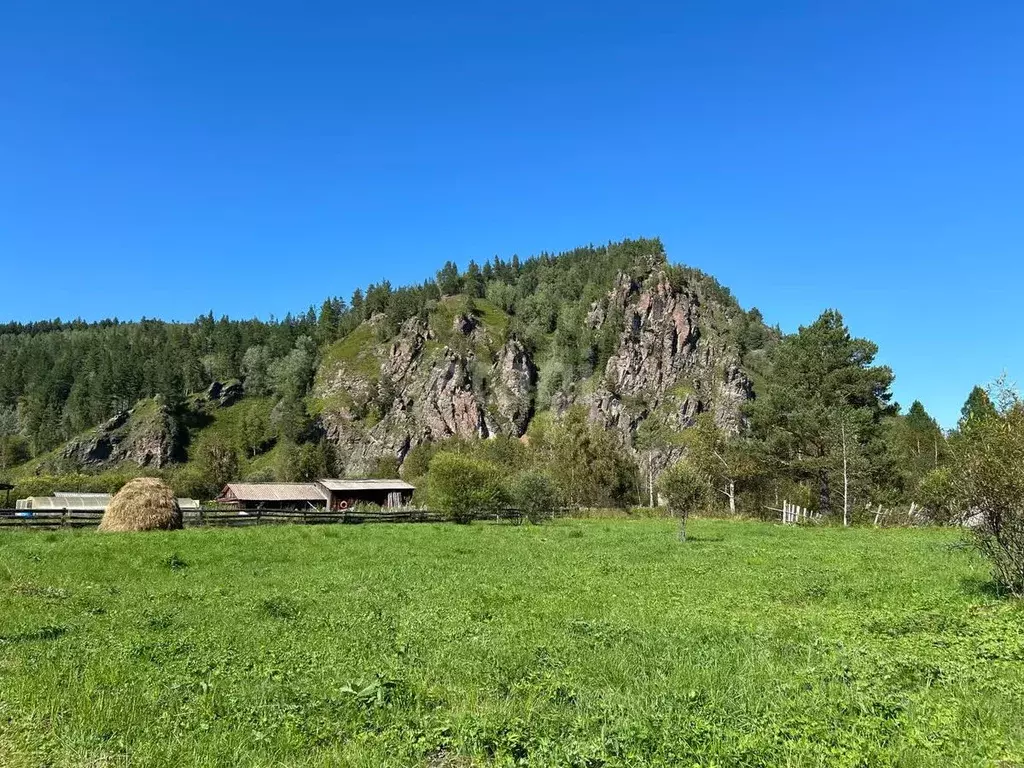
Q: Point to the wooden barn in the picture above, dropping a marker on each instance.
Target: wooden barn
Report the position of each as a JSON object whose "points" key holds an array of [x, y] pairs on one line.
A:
{"points": [[345, 494], [246, 496]]}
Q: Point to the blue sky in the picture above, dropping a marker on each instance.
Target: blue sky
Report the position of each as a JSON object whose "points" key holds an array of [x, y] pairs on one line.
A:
{"points": [[251, 158]]}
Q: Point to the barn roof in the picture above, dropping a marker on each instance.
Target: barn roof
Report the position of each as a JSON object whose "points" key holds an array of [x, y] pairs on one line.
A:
{"points": [[366, 485], [271, 492]]}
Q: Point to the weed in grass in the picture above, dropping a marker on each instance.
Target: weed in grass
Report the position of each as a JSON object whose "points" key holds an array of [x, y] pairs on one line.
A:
{"points": [[43, 633], [280, 607], [160, 621], [28, 589], [175, 563]]}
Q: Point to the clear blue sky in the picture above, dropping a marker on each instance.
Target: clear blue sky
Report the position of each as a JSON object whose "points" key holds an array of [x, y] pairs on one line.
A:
{"points": [[166, 159]]}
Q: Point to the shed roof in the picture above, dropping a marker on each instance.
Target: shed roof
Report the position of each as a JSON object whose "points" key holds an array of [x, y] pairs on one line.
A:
{"points": [[366, 485], [272, 492]]}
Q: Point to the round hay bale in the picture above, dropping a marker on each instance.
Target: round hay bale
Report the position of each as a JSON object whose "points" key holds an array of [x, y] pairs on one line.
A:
{"points": [[143, 504]]}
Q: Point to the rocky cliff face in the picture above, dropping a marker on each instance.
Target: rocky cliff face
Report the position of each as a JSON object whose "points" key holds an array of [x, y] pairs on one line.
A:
{"points": [[672, 362], [425, 392], [144, 436]]}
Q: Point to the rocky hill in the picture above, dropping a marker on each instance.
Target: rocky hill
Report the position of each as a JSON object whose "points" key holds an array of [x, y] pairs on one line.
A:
{"points": [[641, 346], [461, 373]]}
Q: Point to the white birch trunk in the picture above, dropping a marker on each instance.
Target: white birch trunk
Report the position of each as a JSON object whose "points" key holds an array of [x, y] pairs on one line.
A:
{"points": [[846, 482]]}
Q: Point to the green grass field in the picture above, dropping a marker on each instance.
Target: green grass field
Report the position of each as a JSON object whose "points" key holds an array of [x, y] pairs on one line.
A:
{"points": [[579, 643]]}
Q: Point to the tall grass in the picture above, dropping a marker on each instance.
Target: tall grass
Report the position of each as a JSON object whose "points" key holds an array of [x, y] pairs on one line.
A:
{"points": [[575, 643]]}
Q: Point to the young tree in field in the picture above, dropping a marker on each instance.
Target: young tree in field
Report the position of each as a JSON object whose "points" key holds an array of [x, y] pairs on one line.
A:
{"points": [[822, 394], [727, 461], [461, 486], [685, 489], [988, 482], [534, 494]]}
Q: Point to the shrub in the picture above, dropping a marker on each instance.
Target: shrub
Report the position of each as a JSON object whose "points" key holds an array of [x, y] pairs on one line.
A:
{"points": [[461, 486], [191, 482], [988, 483], [386, 467], [685, 489], [935, 493], [534, 494]]}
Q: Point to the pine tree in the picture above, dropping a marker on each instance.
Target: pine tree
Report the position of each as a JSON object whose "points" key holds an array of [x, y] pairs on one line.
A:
{"points": [[978, 406], [820, 407], [329, 321], [474, 283], [448, 280]]}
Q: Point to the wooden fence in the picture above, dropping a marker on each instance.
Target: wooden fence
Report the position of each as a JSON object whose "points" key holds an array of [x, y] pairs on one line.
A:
{"points": [[65, 518], [794, 513]]}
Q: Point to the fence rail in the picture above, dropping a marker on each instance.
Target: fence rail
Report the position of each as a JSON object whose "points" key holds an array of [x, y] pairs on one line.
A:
{"points": [[66, 518]]}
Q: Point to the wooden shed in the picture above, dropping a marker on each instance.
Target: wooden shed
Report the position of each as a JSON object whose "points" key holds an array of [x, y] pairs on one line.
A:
{"points": [[345, 494], [273, 496]]}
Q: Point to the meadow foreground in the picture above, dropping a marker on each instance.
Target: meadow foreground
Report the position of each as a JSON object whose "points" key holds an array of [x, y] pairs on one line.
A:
{"points": [[577, 643]]}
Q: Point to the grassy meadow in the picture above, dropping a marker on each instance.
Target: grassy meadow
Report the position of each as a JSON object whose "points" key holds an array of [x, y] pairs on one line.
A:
{"points": [[577, 643]]}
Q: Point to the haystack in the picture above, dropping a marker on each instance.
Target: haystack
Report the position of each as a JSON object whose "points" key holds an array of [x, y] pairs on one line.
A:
{"points": [[143, 504]]}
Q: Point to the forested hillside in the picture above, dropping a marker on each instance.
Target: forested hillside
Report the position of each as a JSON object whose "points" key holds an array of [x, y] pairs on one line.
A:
{"points": [[607, 357]]}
